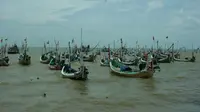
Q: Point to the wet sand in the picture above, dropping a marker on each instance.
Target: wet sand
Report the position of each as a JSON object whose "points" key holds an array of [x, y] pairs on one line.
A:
{"points": [[176, 88]]}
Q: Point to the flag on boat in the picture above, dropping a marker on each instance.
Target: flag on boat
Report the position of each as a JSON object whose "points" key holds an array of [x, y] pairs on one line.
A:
{"points": [[153, 38], [6, 39], [167, 37]]}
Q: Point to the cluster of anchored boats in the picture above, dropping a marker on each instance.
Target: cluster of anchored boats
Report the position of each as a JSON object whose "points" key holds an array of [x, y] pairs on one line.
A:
{"points": [[137, 63], [24, 58]]}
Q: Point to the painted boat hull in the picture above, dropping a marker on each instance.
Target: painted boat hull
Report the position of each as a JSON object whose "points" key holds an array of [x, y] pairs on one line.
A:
{"points": [[4, 63], [126, 63], [102, 63], [13, 52], [44, 61], [55, 67], [165, 60], [141, 74], [91, 58], [184, 60], [24, 62], [75, 75]]}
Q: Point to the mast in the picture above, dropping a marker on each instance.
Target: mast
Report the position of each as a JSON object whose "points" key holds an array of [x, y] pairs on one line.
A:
{"points": [[108, 51], [69, 54], [81, 58], [121, 52], [157, 44], [114, 45], [173, 52], [1, 49], [192, 50], [6, 53], [25, 49], [81, 55]]}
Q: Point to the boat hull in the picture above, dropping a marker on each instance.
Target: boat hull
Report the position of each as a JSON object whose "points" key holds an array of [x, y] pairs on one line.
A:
{"points": [[139, 74], [4, 63], [165, 60], [75, 75], [184, 60], [13, 52], [127, 63], [102, 63], [44, 61], [55, 67], [25, 62]]}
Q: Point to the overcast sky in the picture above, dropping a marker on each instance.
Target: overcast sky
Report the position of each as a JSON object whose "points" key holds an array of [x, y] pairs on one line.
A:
{"points": [[101, 20]]}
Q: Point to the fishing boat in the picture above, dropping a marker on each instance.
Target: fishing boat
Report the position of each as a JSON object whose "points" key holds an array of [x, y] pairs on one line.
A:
{"points": [[104, 62], [46, 57], [129, 63], [120, 69], [193, 59], [24, 59], [166, 59], [89, 58], [68, 72], [57, 62], [13, 49], [4, 59]]}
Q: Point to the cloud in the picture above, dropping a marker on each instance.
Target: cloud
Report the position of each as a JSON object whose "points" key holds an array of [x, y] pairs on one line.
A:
{"points": [[41, 11], [195, 19], [125, 9], [181, 11], [155, 4], [104, 21]]}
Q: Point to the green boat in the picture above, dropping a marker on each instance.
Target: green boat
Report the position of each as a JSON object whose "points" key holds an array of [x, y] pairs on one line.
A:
{"points": [[117, 69]]}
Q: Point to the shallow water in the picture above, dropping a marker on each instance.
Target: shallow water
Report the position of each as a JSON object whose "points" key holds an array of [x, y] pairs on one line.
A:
{"points": [[175, 89]]}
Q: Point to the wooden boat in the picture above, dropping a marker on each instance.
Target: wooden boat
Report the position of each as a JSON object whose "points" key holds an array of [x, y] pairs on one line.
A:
{"points": [[4, 61], [68, 72], [115, 68], [193, 59], [166, 59], [24, 59], [104, 62], [46, 58], [55, 65], [13, 49], [89, 58], [129, 63]]}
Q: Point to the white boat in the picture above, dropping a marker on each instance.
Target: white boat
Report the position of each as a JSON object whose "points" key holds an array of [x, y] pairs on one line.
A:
{"points": [[104, 62], [68, 72]]}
